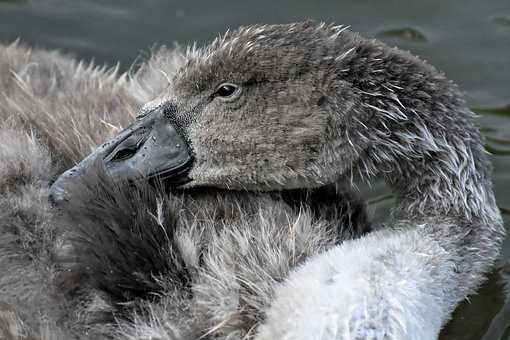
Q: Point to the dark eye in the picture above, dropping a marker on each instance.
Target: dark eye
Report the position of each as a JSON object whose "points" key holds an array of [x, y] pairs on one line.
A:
{"points": [[142, 115], [226, 90]]}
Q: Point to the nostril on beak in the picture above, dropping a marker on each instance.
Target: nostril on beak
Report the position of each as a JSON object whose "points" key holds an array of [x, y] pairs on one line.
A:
{"points": [[125, 153], [128, 147]]}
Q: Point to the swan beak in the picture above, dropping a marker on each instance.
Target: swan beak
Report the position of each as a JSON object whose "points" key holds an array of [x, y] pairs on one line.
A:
{"points": [[151, 147]]}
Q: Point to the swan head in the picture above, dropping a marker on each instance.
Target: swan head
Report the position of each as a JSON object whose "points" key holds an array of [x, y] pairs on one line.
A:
{"points": [[277, 107], [253, 110], [258, 111]]}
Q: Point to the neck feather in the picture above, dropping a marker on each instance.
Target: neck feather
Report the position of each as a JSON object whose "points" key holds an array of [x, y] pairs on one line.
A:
{"points": [[452, 179], [419, 134]]}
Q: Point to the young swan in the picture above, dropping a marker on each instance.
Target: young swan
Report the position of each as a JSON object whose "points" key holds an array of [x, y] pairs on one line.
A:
{"points": [[301, 105]]}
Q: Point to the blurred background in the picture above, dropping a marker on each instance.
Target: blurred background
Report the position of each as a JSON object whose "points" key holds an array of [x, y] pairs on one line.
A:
{"points": [[467, 39]]}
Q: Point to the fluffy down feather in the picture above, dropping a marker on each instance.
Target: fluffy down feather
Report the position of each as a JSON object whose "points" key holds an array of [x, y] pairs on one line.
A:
{"points": [[133, 262]]}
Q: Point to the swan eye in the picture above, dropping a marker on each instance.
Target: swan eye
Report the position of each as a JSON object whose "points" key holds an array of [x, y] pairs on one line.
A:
{"points": [[227, 91], [142, 115]]}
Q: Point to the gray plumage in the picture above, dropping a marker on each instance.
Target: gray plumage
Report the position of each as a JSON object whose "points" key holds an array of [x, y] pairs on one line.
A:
{"points": [[64, 283], [318, 105]]}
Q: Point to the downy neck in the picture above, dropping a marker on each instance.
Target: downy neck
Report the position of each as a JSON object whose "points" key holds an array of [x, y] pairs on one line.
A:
{"points": [[420, 136]]}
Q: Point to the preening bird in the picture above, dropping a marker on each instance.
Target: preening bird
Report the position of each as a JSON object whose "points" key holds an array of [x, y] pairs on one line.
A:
{"points": [[299, 106]]}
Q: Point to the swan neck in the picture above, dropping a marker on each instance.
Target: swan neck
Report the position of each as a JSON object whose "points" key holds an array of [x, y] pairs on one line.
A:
{"points": [[410, 125], [453, 182]]}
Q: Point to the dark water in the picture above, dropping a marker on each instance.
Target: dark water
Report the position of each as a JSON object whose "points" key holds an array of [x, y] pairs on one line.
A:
{"points": [[468, 39]]}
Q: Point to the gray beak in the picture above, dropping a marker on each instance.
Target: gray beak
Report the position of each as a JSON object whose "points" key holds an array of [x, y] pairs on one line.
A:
{"points": [[150, 147]]}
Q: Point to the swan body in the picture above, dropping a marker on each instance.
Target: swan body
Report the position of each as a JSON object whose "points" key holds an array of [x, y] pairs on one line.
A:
{"points": [[369, 290], [298, 106]]}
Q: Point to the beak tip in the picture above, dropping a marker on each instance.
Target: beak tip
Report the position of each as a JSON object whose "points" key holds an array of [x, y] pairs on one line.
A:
{"points": [[56, 195]]}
